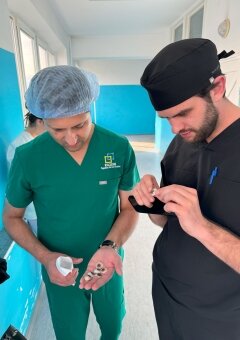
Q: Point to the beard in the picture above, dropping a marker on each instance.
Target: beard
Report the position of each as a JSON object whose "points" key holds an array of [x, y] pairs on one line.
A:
{"points": [[208, 126], [74, 148]]}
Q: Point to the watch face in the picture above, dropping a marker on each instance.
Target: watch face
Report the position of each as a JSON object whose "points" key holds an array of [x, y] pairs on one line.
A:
{"points": [[223, 28], [109, 243]]}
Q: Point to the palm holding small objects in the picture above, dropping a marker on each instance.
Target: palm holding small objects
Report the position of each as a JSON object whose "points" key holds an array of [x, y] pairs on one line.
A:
{"points": [[101, 268]]}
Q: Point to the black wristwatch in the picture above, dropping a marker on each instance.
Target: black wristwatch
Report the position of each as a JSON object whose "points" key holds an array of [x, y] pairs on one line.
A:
{"points": [[109, 243]]}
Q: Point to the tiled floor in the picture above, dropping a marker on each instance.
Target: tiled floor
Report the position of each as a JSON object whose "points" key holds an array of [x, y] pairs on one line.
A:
{"points": [[139, 323]]}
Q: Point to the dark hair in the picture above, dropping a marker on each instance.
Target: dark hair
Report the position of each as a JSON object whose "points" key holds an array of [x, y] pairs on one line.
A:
{"points": [[205, 93], [30, 119]]}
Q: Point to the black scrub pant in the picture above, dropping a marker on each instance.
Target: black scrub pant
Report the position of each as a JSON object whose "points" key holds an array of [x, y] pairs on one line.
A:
{"points": [[177, 322]]}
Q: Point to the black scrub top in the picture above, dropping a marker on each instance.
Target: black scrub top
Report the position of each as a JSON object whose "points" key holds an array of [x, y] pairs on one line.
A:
{"points": [[192, 275]]}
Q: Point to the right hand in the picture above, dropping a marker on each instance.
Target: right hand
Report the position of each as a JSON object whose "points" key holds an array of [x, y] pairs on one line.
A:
{"points": [[110, 260], [143, 190], [55, 276]]}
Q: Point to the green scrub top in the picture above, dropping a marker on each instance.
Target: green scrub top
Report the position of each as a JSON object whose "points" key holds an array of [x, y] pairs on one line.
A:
{"points": [[76, 205]]}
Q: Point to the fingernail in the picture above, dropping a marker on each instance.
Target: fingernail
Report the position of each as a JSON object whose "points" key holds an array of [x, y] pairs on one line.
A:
{"points": [[153, 192]]}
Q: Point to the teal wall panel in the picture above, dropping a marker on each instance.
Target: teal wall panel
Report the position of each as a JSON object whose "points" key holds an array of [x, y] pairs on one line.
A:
{"points": [[125, 109], [163, 134], [18, 294], [11, 113]]}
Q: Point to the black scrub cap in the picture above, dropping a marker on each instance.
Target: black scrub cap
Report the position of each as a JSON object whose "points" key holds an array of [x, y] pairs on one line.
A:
{"points": [[181, 70]]}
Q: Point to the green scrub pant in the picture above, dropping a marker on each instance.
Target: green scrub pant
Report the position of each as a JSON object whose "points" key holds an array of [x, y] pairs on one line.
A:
{"points": [[70, 307]]}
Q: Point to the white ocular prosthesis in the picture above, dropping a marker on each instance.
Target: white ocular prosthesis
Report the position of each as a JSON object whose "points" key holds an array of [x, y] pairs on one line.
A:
{"points": [[64, 265]]}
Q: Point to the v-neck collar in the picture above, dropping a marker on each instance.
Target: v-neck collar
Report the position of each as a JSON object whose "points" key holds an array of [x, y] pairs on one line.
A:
{"points": [[69, 156]]}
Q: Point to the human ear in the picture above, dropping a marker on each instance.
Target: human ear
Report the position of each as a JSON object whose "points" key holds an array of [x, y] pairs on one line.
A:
{"points": [[219, 89]]}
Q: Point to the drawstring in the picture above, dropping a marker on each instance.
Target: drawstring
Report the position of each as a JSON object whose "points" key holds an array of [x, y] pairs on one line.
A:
{"points": [[225, 54]]}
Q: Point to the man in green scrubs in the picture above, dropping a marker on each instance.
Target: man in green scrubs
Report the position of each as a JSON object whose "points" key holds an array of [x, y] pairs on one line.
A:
{"points": [[79, 179]]}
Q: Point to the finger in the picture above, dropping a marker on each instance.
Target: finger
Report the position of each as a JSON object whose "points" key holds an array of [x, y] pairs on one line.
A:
{"points": [[177, 188], [76, 275], [87, 277], [73, 275], [74, 272], [90, 277], [143, 195], [77, 260], [119, 267], [70, 279], [176, 197], [144, 189], [149, 182], [185, 190], [181, 203], [87, 284], [172, 207], [101, 281], [60, 284], [148, 189], [175, 193], [63, 282]]}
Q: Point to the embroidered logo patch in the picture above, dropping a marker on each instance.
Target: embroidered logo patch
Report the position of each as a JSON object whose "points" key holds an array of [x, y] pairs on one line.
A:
{"points": [[109, 159], [109, 162]]}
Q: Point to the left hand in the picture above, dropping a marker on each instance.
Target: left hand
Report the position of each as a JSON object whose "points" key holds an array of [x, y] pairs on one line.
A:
{"points": [[183, 201], [110, 260], [54, 275]]}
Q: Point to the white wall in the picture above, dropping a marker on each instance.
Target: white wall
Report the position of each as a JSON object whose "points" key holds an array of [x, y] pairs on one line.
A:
{"points": [[112, 72], [5, 31], [215, 12], [123, 46], [118, 59]]}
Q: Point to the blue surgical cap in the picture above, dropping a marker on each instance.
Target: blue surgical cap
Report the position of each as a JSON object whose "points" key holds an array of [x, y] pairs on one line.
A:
{"points": [[61, 91]]}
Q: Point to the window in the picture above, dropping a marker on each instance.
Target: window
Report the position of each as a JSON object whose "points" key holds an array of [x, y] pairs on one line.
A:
{"points": [[178, 33], [43, 57], [28, 56], [51, 59], [31, 53], [196, 24], [190, 25]]}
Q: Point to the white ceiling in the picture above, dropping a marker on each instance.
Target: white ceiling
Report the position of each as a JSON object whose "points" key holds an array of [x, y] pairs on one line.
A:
{"points": [[102, 28], [119, 17]]}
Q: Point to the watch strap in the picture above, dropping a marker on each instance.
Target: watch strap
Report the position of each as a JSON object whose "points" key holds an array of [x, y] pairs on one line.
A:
{"points": [[109, 243]]}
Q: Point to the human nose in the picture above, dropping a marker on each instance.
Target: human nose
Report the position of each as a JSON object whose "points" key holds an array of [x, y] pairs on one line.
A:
{"points": [[70, 137], [176, 125]]}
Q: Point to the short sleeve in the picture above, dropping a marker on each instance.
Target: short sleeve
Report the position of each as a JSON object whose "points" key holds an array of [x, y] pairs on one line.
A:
{"points": [[18, 190], [10, 154], [130, 176]]}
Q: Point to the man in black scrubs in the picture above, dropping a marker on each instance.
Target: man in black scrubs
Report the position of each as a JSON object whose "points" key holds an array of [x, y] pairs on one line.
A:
{"points": [[196, 259]]}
